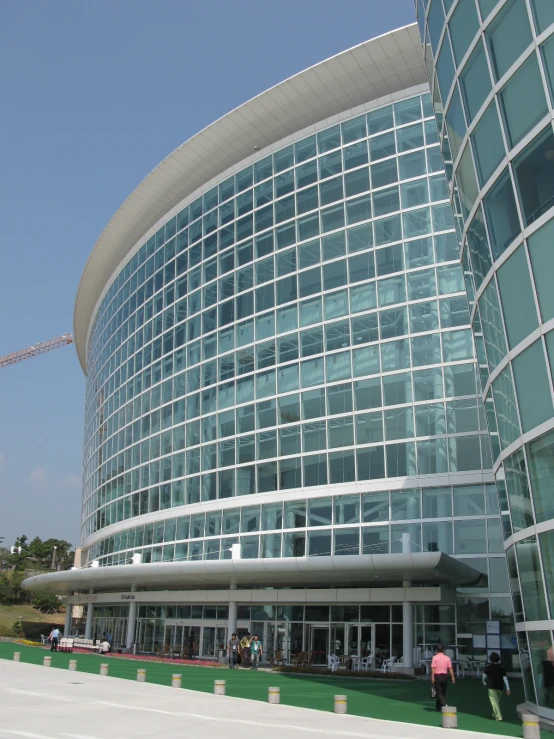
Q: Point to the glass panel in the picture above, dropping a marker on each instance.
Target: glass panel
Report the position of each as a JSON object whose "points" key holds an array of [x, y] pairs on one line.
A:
{"points": [[488, 143], [534, 176], [532, 387], [530, 578], [475, 81], [520, 317], [542, 261], [463, 26], [508, 36], [523, 101], [541, 472], [501, 210]]}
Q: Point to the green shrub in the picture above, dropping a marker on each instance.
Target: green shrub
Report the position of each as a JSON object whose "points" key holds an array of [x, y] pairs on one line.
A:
{"points": [[46, 602], [17, 628]]}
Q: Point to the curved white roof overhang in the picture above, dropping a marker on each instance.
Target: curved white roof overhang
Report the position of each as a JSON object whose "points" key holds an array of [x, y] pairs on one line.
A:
{"points": [[355, 570], [378, 68]]}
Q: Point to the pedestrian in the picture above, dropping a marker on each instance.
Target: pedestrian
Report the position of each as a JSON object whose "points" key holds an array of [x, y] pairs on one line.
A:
{"points": [[233, 650], [245, 649], [496, 680], [191, 645], [256, 651], [441, 667], [104, 647], [109, 639], [54, 639]]}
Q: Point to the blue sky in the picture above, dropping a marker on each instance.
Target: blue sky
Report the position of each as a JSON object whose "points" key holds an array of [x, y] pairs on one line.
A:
{"points": [[94, 96]]}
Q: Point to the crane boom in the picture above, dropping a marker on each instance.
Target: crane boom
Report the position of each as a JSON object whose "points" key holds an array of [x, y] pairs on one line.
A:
{"points": [[32, 351]]}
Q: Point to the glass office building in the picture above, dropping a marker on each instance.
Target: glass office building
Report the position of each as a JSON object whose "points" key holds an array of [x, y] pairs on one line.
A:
{"points": [[491, 65], [282, 388]]}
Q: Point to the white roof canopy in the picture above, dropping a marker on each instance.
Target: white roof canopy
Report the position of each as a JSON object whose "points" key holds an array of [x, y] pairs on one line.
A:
{"points": [[375, 69], [356, 570]]}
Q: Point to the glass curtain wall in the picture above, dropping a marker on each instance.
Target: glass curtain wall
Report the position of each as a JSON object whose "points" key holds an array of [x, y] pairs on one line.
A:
{"points": [[491, 68]]}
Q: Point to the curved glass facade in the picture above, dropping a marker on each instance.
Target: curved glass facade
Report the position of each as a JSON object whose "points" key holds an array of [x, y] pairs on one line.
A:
{"points": [[491, 65], [286, 362]]}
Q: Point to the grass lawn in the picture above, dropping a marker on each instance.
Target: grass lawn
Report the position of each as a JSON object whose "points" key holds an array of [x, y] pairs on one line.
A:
{"points": [[408, 701], [34, 622]]}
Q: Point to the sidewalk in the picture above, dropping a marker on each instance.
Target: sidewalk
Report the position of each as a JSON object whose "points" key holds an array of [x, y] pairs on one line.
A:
{"points": [[48, 703]]}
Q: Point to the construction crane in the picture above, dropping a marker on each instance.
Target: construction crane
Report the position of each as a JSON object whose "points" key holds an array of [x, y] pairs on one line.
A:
{"points": [[32, 351]]}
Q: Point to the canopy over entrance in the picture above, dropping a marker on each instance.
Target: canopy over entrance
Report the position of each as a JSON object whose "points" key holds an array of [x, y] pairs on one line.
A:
{"points": [[425, 568]]}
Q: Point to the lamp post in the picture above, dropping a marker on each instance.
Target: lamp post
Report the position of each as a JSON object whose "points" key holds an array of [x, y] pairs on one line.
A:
{"points": [[54, 558]]}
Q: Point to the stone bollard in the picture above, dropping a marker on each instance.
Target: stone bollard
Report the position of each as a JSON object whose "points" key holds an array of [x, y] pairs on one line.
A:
{"points": [[340, 704], [17, 656], [141, 675], [73, 665], [274, 695], [449, 717], [530, 725], [176, 681], [219, 687], [47, 662], [103, 669]]}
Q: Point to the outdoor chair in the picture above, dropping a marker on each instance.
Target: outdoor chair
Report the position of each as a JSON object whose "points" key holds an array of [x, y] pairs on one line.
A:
{"points": [[332, 662], [387, 664], [277, 658]]}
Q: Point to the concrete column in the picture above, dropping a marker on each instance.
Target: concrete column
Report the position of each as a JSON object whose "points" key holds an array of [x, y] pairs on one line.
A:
{"points": [[233, 612], [67, 625], [131, 621], [407, 614], [90, 613]]}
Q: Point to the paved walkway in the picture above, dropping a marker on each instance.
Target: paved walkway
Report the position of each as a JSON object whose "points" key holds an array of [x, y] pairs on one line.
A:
{"points": [[47, 703]]}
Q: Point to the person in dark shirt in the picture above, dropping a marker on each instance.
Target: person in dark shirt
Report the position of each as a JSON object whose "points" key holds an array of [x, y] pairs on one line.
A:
{"points": [[496, 680]]}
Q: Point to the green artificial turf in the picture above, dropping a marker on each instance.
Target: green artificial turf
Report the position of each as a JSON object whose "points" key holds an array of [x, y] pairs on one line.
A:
{"points": [[393, 700]]}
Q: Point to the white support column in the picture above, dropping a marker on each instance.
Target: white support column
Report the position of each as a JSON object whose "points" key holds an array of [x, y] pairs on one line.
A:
{"points": [[68, 613], [407, 614], [233, 612], [131, 621], [90, 613]]}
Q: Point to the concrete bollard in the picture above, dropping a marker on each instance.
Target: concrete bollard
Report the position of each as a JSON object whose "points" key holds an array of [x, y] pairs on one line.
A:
{"points": [[341, 705], [72, 665], [219, 687], [104, 669], [274, 695], [449, 717], [17, 656], [530, 725], [176, 681], [47, 662], [141, 675]]}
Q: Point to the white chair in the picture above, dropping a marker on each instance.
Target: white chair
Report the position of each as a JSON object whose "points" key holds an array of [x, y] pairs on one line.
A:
{"points": [[387, 664], [355, 662], [43, 639], [366, 663], [417, 656], [333, 662]]}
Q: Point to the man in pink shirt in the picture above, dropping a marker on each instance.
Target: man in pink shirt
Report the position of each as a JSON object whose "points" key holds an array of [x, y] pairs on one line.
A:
{"points": [[441, 667]]}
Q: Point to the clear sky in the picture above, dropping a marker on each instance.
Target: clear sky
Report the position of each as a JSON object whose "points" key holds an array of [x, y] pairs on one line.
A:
{"points": [[94, 96]]}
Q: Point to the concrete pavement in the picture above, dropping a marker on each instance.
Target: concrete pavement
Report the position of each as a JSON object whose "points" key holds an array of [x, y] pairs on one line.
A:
{"points": [[46, 703]]}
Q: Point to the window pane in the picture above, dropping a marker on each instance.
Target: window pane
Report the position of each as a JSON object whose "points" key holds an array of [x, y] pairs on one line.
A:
{"points": [[532, 387], [475, 81], [523, 101], [520, 317], [463, 25], [508, 36], [488, 144], [500, 207], [542, 261], [534, 173]]}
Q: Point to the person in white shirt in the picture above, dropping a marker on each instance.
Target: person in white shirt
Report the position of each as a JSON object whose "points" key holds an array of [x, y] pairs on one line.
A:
{"points": [[104, 647], [54, 639]]}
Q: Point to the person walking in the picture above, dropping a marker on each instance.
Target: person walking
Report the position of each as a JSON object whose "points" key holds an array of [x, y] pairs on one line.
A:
{"points": [[441, 667], [495, 679], [256, 651], [245, 649], [233, 650], [191, 645], [54, 639]]}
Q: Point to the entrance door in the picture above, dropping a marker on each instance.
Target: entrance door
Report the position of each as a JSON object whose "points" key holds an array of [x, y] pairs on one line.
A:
{"points": [[208, 641], [319, 644], [366, 642]]}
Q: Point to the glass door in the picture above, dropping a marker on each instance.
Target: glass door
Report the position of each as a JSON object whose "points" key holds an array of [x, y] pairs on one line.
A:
{"points": [[208, 641], [366, 643], [319, 644]]}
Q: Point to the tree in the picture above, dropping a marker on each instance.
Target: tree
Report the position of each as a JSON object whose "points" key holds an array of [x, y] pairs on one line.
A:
{"points": [[11, 592], [46, 602]]}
